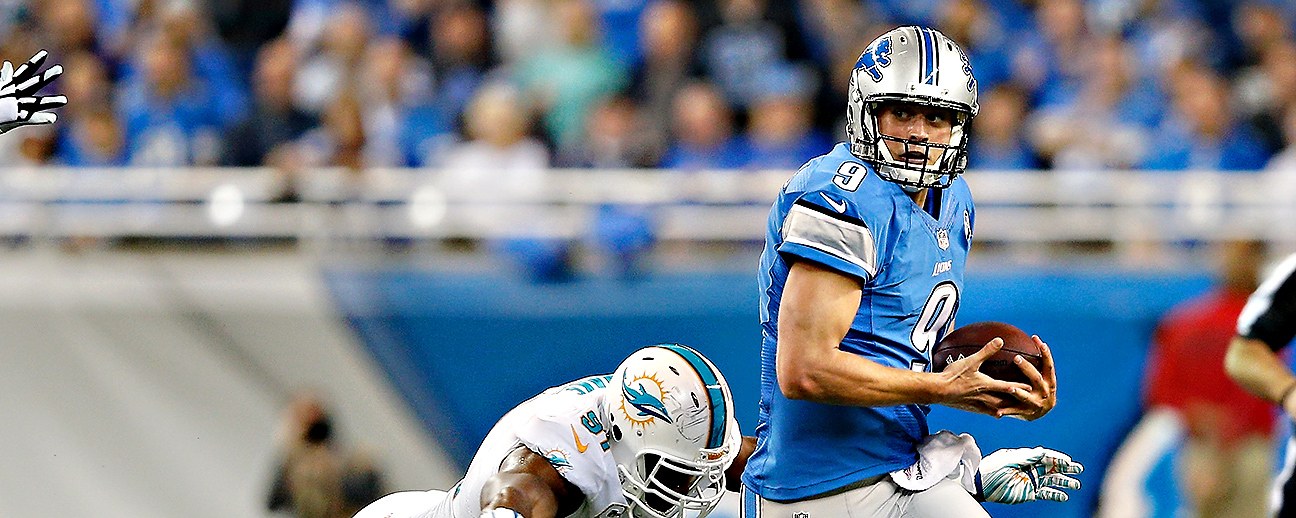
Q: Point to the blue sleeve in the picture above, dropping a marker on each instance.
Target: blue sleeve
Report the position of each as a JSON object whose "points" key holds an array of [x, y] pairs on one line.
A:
{"points": [[828, 227]]}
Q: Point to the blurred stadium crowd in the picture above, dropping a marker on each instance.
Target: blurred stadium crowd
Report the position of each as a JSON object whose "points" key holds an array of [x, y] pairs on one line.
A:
{"points": [[689, 84]]}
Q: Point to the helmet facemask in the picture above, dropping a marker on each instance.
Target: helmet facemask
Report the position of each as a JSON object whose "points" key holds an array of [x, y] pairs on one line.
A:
{"points": [[901, 68], [940, 174], [659, 485]]}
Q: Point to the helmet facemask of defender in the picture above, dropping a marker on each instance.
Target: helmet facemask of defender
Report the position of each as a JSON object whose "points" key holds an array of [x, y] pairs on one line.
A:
{"points": [[672, 432], [919, 66]]}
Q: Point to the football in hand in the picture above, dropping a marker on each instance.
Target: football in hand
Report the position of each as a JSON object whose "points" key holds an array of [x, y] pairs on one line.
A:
{"points": [[967, 340]]}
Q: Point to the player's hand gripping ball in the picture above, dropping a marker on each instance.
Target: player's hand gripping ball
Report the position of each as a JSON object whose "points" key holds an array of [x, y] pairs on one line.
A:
{"points": [[969, 339]]}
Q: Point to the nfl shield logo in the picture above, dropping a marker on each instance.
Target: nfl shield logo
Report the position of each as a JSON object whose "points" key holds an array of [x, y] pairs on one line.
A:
{"points": [[942, 238]]}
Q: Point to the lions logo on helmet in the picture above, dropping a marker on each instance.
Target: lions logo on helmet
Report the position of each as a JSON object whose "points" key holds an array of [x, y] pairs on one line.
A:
{"points": [[915, 65], [672, 431], [875, 57]]}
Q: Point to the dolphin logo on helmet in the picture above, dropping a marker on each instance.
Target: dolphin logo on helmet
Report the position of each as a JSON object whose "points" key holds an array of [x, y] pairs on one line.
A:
{"points": [[647, 404]]}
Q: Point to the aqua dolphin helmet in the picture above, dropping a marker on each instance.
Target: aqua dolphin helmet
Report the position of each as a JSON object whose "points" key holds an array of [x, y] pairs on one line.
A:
{"points": [[672, 431], [914, 65]]}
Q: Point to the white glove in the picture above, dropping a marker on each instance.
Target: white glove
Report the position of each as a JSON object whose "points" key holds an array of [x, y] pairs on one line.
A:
{"points": [[1013, 476], [19, 104], [500, 512]]}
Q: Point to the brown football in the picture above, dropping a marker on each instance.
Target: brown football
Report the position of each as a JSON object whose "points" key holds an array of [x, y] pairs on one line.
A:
{"points": [[970, 338]]}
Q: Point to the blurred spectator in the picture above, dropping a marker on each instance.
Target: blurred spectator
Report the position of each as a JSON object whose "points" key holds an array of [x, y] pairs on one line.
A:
{"points": [[333, 69], [85, 79], [704, 135], [312, 21], [1264, 90], [669, 36], [95, 139], [70, 26], [620, 20], [247, 25], [275, 119], [172, 117], [500, 157], [1065, 32], [461, 58], [339, 140], [625, 234], [1165, 34], [503, 159], [571, 77], [1226, 457], [614, 139], [521, 27], [1259, 26], [34, 146], [1103, 124], [999, 141], [780, 129], [392, 77], [184, 23], [981, 33], [1202, 131], [1286, 159], [1099, 75], [742, 48], [317, 477]]}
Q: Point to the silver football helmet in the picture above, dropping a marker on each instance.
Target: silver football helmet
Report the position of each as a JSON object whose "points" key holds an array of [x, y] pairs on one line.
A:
{"points": [[672, 431], [914, 65]]}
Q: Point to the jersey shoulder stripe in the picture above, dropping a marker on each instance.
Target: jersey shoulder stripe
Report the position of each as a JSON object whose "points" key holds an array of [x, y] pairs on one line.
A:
{"points": [[844, 237]]}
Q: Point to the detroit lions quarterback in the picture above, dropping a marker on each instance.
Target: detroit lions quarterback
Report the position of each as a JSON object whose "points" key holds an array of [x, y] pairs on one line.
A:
{"points": [[652, 440], [1267, 326], [861, 275]]}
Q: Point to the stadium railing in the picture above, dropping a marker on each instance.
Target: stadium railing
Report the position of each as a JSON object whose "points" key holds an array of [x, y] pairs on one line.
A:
{"points": [[1012, 206]]}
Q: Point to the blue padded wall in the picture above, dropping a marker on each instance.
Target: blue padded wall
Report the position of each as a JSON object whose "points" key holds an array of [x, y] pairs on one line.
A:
{"points": [[464, 349]]}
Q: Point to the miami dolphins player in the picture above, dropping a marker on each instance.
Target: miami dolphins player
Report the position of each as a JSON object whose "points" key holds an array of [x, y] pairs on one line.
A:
{"points": [[861, 275], [652, 440]]}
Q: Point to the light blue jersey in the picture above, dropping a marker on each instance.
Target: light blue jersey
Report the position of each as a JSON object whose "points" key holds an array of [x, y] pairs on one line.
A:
{"points": [[837, 212]]}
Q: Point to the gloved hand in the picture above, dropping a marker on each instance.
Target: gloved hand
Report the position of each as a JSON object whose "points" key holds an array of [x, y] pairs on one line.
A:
{"points": [[19, 104], [1013, 476]]}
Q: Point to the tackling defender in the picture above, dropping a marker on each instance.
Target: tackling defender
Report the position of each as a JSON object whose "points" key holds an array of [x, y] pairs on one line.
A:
{"points": [[861, 275], [655, 439], [1265, 327]]}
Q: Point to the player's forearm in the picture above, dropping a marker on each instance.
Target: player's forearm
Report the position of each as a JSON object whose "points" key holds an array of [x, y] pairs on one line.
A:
{"points": [[1257, 368], [526, 494], [837, 377]]}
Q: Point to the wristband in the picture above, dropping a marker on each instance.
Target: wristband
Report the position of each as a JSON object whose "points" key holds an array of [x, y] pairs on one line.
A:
{"points": [[1282, 400], [500, 512]]}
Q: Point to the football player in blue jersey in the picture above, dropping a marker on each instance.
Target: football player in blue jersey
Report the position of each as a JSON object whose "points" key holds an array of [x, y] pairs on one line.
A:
{"points": [[861, 276]]}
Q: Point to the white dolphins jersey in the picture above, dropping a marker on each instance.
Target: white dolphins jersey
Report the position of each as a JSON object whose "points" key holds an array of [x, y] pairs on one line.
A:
{"points": [[564, 424]]}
